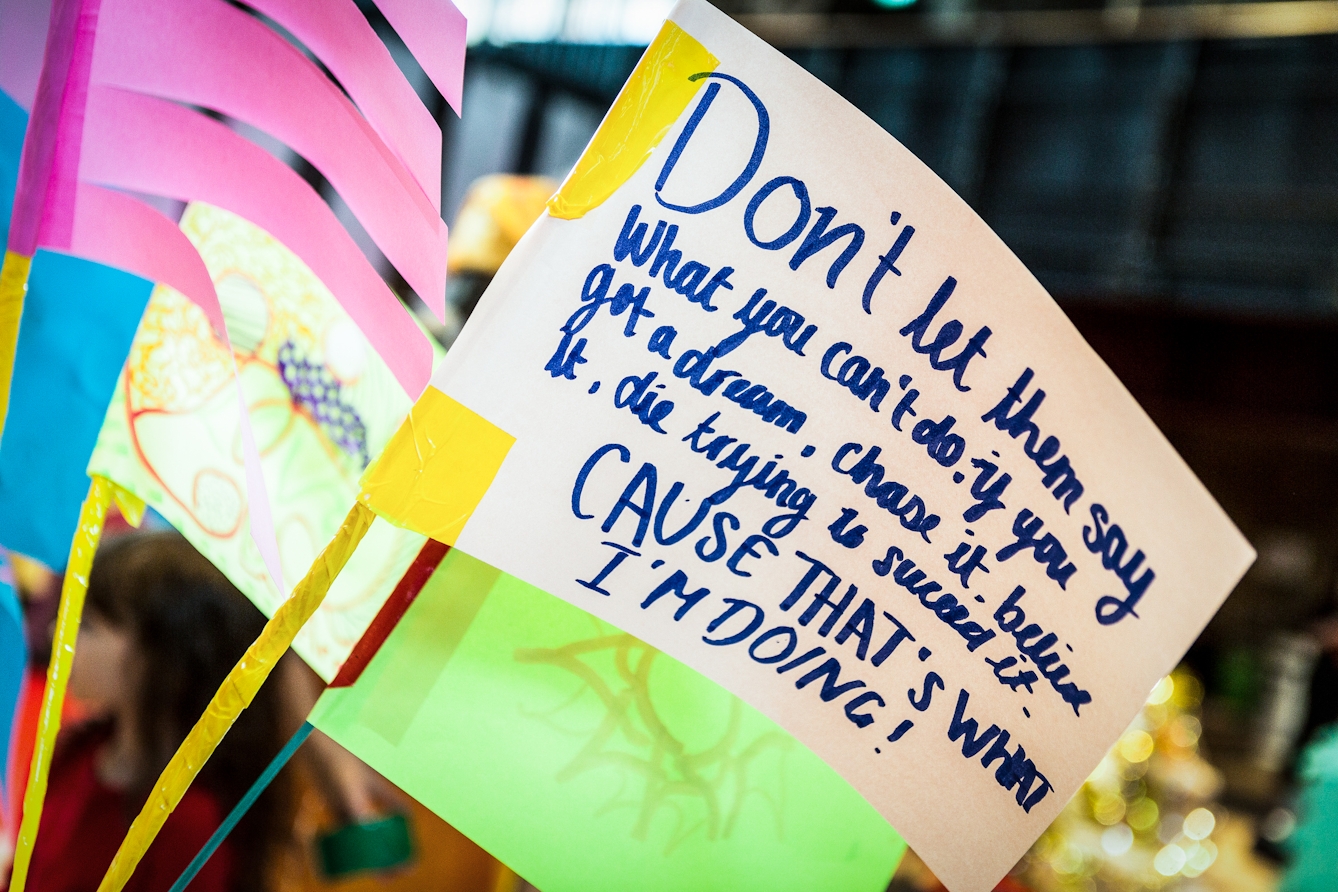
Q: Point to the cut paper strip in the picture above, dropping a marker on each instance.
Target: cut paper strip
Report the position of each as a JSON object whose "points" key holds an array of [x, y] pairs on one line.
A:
{"points": [[153, 146], [44, 199], [659, 89], [73, 590], [339, 35], [207, 53], [590, 762], [23, 25], [71, 361], [434, 31], [144, 242], [233, 696], [257, 493], [436, 468]]}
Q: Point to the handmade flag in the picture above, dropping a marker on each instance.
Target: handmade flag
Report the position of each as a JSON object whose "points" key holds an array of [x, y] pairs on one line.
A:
{"points": [[321, 402], [105, 117], [67, 364], [66, 369], [587, 760], [762, 392]]}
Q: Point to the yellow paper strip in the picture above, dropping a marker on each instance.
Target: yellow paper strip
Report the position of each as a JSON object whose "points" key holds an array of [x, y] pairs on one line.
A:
{"points": [[650, 102], [13, 289], [234, 695], [91, 519], [435, 469]]}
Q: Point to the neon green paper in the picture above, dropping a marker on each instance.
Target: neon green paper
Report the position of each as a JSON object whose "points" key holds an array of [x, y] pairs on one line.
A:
{"points": [[171, 435], [588, 761]]}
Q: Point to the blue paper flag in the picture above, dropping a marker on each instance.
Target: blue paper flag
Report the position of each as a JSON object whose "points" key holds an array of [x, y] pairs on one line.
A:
{"points": [[13, 122], [78, 321]]}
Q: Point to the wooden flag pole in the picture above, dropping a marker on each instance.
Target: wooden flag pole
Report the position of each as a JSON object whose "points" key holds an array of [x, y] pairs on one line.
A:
{"points": [[92, 518], [234, 695], [404, 593]]}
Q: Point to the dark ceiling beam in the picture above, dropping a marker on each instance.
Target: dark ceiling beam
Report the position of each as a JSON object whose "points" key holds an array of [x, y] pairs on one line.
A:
{"points": [[1116, 23]]}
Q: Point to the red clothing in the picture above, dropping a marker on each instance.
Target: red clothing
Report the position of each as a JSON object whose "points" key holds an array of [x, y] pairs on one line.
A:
{"points": [[84, 821]]}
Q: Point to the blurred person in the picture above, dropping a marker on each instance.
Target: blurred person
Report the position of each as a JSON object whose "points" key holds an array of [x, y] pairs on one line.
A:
{"points": [[497, 210], [162, 628], [1322, 707]]}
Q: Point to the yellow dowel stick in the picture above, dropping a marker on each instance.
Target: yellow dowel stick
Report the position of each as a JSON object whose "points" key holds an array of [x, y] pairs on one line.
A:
{"points": [[91, 519], [13, 289], [234, 695]]}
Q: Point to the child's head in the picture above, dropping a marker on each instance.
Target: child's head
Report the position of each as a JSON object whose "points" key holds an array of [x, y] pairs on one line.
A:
{"points": [[162, 629], [170, 625]]}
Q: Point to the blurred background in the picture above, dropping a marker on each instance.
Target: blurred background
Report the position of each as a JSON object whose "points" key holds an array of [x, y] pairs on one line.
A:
{"points": [[1169, 172]]}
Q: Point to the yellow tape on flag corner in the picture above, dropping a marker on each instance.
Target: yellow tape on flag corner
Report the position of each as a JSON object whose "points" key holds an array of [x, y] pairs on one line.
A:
{"points": [[653, 98], [234, 695], [92, 517], [436, 468], [13, 290]]}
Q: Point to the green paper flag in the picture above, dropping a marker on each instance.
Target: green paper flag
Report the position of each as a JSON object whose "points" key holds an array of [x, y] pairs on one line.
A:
{"points": [[589, 761]]}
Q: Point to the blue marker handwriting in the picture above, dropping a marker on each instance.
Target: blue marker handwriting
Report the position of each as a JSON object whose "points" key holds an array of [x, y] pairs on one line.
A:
{"points": [[1111, 542], [694, 366], [893, 497], [1015, 770], [946, 606], [1057, 474], [1039, 646], [1046, 549]]}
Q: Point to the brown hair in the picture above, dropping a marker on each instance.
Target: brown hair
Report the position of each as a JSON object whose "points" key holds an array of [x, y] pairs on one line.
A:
{"points": [[190, 626]]}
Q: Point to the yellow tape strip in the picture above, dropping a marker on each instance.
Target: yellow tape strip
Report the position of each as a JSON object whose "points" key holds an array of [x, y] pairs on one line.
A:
{"points": [[132, 506], [234, 695], [13, 289], [435, 469], [650, 102], [72, 592]]}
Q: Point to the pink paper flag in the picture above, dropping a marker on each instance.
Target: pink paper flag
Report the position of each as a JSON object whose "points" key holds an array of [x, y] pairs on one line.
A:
{"points": [[205, 52], [434, 31], [44, 197], [45, 203], [144, 242], [153, 146], [337, 32]]}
